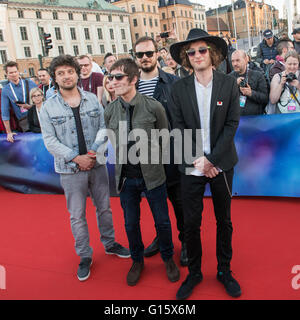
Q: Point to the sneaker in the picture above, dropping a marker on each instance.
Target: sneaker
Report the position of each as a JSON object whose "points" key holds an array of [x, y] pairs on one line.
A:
{"points": [[188, 285], [172, 270], [134, 273], [83, 271], [118, 250], [231, 285], [153, 248]]}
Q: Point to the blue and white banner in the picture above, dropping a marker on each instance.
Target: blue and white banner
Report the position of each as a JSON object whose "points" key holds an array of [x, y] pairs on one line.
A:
{"points": [[268, 148]]}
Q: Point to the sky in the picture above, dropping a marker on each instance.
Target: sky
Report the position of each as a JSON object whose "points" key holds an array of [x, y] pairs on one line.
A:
{"points": [[214, 3]]}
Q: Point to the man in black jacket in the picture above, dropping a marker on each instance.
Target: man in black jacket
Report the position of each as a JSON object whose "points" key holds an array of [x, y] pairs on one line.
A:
{"points": [[206, 100], [156, 83], [254, 95]]}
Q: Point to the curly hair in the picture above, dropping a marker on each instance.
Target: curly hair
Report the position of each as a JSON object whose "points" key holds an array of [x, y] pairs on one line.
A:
{"points": [[215, 54], [63, 60]]}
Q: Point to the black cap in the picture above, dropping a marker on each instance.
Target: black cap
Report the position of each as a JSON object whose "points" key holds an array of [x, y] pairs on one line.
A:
{"points": [[268, 34], [296, 30]]}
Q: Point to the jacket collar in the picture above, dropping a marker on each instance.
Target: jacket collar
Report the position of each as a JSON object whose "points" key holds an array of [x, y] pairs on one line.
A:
{"points": [[82, 94]]}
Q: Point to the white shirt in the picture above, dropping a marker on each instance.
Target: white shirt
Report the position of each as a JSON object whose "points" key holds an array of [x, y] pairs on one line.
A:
{"points": [[204, 101]]}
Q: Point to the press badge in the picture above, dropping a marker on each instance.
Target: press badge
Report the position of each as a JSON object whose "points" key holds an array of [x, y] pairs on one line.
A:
{"points": [[243, 101], [292, 106]]}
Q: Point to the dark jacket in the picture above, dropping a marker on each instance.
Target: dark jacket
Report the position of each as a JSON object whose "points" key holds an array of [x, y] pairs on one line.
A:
{"points": [[226, 64], [260, 95], [148, 114], [277, 67], [162, 94], [224, 118], [266, 52], [33, 120]]}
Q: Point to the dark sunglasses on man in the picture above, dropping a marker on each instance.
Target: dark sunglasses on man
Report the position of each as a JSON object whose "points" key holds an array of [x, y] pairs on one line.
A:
{"points": [[201, 50], [118, 76], [140, 55]]}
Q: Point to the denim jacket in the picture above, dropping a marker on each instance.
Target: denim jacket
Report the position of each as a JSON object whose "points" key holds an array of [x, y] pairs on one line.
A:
{"points": [[59, 129]]}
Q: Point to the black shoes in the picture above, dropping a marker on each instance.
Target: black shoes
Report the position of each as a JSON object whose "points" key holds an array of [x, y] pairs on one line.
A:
{"points": [[153, 248], [83, 271], [172, 270], [188, 285], [134, 273], [183, 255], [231, 285]]}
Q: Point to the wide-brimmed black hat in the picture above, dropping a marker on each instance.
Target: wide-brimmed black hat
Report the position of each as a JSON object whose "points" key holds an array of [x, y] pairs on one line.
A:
{"points": [[196, 35]]}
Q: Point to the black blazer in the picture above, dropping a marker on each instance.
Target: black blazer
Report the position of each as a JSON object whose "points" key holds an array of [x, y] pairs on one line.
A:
{"points": [[33, 120], [224, 118]]}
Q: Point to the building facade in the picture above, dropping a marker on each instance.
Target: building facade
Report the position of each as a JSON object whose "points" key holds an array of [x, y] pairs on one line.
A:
{"points": [[144, 17], [259, 16], [199, 16], [76, 27]]}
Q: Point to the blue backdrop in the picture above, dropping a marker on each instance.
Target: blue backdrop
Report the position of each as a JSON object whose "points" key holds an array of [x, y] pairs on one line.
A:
{"points": [[268, 149]]}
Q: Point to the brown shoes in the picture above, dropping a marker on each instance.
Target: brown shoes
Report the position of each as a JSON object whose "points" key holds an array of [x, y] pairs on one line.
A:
{"points": [[134, 273], [172, 270]]}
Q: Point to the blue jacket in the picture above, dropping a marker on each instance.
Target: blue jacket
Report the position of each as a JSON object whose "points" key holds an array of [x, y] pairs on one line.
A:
{"points": [[59, 129], [266, 52]]}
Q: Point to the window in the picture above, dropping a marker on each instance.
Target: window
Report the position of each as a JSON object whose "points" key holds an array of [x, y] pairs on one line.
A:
{"points": [[55, 15], [125, 49], [150, 22], [38, 14], [123, 34], [111, 31], [136, 36], [20, 14], [155, 22], [100, 34], [110, 18], [135, 22], [3, 56], [173, 14], [145, 22], [73, 33], [165, 27], [27, 52], [76, 50], [163, 15], [98, 17], [102, 49], [61, 50], [122, 19], [113, 47], [31, 72], [89, 49], [87, 33], [84, 17], [132, 9], [23, 33], [70, 14], [154, 9], [143, 7], [1, 36], [57, 33], [149, 8]]}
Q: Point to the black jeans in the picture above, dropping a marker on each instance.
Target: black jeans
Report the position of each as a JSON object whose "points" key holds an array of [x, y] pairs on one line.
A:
{"points": [[130, 197], [192, 196]]}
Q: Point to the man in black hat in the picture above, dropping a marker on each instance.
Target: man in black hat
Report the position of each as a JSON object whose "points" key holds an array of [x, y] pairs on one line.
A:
{"points": [[206, 100], [296, 42], [266, 50]]}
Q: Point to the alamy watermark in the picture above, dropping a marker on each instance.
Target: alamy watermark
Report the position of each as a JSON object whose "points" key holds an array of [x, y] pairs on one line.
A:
{"points": [[2, 278], [296, 278]]}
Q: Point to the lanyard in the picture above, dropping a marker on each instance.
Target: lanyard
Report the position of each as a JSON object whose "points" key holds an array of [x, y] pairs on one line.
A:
{"points": [[90, 83], [14, 93]]}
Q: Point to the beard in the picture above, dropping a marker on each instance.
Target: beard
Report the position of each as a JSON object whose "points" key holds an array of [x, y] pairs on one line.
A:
{"points": [[69, 87], [148, 68]]}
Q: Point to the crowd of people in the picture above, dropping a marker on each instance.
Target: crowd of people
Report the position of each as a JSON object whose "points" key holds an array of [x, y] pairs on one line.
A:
{"points": [[200, 83]]}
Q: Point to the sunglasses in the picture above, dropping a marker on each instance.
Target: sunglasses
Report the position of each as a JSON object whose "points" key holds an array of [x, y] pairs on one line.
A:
{"points": [[84, 65], [118, 76], [140, 55], [192, 52]]}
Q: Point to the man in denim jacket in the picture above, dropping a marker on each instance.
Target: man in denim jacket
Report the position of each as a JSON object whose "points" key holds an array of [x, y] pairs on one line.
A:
{"points": [[73, 128]]}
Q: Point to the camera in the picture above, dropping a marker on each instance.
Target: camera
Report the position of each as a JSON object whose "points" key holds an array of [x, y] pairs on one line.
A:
{"points": [[164, 35], [243, 83], [291, 77]]}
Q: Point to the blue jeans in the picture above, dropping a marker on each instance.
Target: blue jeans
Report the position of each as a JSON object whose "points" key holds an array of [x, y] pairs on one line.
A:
{"points": [[157, 198]]}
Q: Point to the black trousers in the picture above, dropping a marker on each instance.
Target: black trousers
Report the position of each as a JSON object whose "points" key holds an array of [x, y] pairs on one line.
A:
{"points": [[192, 196], [175, 197]]}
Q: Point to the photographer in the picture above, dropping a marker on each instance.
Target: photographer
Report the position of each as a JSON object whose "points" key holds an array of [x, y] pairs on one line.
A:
{"points": [[252, 85], [285, 86]]}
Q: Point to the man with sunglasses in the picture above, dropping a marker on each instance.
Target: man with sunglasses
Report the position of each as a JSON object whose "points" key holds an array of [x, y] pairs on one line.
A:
{"points": [[156, 83], [206, 100], [133, 118], [89, 80]]}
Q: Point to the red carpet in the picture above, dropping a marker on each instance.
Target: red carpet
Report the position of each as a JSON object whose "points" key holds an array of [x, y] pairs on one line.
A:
{"points": [[36, 250]]}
